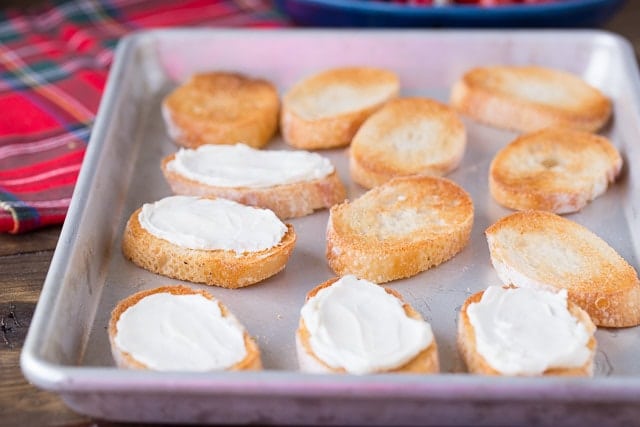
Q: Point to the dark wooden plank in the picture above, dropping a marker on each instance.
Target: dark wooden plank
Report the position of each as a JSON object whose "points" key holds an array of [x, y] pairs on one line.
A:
{"points": [[21, 276], [41, 240], [21, 404], [627, 23]]}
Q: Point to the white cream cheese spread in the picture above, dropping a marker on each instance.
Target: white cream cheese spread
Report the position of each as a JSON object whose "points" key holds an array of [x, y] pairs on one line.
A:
{"points": [[242, 166], [170, 332], [521, 331], [211, 224], [356, 325]]}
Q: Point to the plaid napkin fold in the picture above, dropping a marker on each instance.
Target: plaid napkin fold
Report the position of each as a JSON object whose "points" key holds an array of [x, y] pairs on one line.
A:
{"points": [[53, 67]]}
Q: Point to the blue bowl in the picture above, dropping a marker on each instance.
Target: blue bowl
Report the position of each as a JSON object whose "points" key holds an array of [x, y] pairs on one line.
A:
{"points": [[367, 13]]}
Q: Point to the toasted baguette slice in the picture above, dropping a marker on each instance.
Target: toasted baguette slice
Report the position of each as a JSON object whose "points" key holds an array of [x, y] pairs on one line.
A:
{"points": [[541, 249], [222, 108], [477, 364], [126, 360], [556, 170], [529, 98], [288, 200], [399, 229], [326, 109], [425, 362], [222, 268], [405, 137]]}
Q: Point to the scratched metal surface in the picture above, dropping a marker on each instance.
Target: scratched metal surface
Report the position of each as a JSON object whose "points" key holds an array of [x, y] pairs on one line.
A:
{"points": [[68, 348]]}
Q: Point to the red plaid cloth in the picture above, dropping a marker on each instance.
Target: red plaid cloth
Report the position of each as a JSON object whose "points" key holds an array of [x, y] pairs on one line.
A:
{"points": [[53, 68]]}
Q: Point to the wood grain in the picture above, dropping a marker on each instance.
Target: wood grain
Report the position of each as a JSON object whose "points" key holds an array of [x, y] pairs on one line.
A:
{"points": [[42, 240], [24, 261], [627, 23]]}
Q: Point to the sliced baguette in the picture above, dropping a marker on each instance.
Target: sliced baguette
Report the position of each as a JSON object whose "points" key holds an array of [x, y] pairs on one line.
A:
{"points": [[222, 108], [405, 137], [556, 170], [399, 229], [529, 98], [541, 249], [325, 110], [289, 200], [222, 268], [124, 359], [476, 364], [425, 362]]}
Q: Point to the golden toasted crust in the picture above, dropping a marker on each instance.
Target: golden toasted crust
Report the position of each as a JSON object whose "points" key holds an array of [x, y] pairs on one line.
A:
{"points": [[212, 267], [476, 364], [541, 249], [222, 108], [529, 98], [405, 137], [326, 109], [123, 359], [557, 170], [286, 201], [425, 362], [399, 229]]}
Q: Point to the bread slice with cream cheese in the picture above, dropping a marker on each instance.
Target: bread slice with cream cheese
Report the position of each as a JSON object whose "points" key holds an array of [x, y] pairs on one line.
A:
{"points": [[405, 137], [343, 312], [543, 250], [290, 183], [326, 109], [140, 333], [396, 230], [222, 108], [211, 241], [530, 98], [513, 338]]}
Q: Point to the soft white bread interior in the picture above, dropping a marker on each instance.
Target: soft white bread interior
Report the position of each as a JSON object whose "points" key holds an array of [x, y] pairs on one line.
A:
{"points": [[124, 359], [555, 169], [222, 108], [405, 137], [541, 249], [396, 230], [326, 109], [425, 362], [529, 98], [289, 200], [224, 268], [477, 364]]}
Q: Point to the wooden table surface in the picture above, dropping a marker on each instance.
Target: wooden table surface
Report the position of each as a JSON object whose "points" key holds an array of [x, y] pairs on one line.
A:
{"points": [[24, 261]]}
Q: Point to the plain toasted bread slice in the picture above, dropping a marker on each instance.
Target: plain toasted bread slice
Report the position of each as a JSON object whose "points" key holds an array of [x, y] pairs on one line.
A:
{"points": [[325, 110], [556, 170], [405, 137], [425, 362], [396, 230], [124, 359], [288, 200], [222, 268], [476, 364], [541, 249], [222, 108], [529, 98]]}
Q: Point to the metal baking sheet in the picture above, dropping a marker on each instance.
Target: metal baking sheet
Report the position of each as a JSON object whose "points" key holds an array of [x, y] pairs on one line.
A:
{"points": [[67, 349]]}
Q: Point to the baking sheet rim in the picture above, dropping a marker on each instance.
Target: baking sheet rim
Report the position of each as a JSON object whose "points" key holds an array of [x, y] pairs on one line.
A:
{"points": [[69, 379]]}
